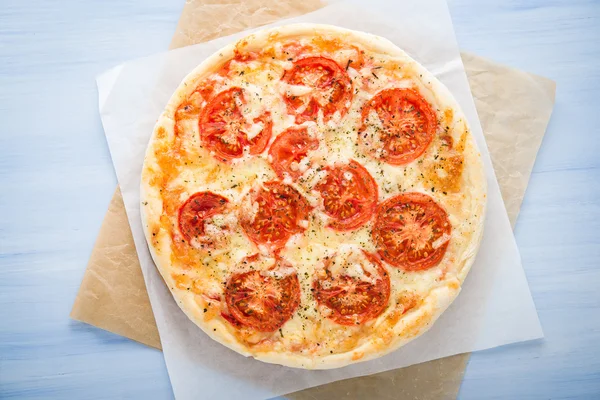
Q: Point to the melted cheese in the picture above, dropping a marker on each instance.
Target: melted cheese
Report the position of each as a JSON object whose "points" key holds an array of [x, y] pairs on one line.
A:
{"points": [[309, 331]]}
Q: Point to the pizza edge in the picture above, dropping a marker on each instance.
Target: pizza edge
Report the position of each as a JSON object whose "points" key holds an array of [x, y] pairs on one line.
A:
{"points": [[412, 324]]}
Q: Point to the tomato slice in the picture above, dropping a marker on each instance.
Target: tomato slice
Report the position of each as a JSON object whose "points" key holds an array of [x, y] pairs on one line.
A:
{"points": [[328, 88], [195, 211], [353, 300], [273, 213], [411, 231], [349, 195], [224, 129], [263, 300], [289, 148], [397, 125]]}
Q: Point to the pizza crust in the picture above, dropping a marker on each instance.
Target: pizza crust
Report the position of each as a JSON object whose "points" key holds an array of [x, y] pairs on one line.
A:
{"points": [[411, 325]]}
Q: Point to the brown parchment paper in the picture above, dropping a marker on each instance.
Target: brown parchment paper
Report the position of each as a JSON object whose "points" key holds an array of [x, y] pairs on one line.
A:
{"points": [[514, 108]]}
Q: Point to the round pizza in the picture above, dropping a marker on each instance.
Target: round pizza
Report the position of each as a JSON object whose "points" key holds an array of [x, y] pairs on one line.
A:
{"points": [[312, 196]]}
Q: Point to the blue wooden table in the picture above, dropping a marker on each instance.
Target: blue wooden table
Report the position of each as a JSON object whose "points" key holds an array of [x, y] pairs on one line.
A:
{"points": [[56, 180]]}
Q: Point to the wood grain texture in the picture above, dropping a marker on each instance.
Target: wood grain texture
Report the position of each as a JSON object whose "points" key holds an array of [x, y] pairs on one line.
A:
{"points": [[57, 180]]}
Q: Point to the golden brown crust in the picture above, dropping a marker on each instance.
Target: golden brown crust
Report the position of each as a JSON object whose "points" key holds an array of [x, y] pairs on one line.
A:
{"points": [[176, 165]]}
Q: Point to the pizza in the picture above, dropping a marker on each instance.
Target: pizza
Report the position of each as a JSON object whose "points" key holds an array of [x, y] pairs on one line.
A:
{"points": [[312, 196]]}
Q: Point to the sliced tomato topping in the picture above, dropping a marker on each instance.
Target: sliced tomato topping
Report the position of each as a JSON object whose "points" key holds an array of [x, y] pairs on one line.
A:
{"points": [[352, 299], [229, 318], [193, 214], [289, 148], [224, 128], [319, 84], [397, 125], [349, 195], [411, 231], [263, 300], [273, 213]]}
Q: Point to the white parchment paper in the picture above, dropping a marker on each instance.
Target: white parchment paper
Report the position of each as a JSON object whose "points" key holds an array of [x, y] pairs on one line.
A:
{"points": [[495, 306]]}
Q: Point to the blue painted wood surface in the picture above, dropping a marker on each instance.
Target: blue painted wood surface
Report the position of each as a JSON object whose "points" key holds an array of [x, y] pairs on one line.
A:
{"points": [[56, 180]]}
